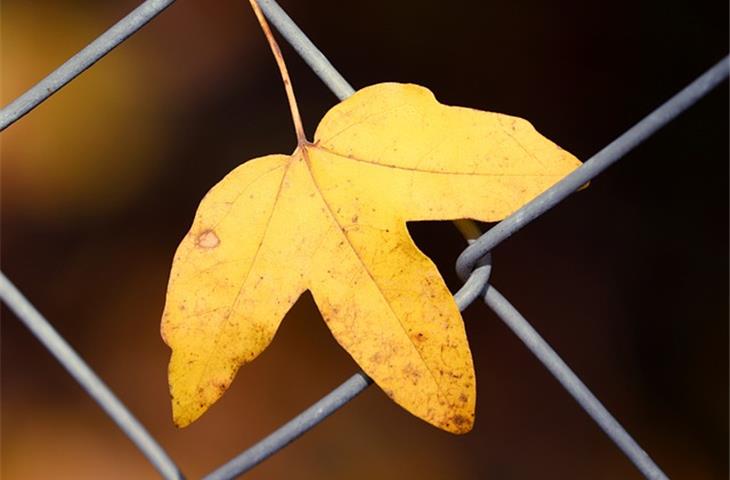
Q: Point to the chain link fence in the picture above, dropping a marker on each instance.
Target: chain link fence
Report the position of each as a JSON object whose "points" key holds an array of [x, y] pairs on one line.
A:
{"points": [[473, 266]]}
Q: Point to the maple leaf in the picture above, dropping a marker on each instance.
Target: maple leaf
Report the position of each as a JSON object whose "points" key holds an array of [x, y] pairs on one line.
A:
{"points": [[331, 218]]}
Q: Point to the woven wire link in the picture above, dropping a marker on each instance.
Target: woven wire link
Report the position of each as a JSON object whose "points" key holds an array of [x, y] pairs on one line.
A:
{"points": [[473, 266]]}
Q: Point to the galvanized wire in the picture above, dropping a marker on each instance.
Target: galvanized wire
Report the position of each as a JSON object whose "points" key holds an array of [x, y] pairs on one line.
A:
{"points": [[476, 284], [610, 154], [89, 55], [86, 377], [306, 49], [571, 383], [293, 429]]}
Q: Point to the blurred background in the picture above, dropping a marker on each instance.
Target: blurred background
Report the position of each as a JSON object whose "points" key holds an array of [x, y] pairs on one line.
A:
{"points": [[628, 280]]}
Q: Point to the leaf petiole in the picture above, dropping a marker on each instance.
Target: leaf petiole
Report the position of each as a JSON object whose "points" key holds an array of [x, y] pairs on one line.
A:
{"points": [[293, 107]]}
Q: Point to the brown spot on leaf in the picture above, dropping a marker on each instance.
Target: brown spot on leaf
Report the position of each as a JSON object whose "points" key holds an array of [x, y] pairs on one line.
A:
{"points": [[208, 239], [377, 358], [459, 420], [412, 373]]}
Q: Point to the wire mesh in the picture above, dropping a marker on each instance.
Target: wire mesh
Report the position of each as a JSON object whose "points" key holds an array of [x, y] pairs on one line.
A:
{"points": [[473, 265]]}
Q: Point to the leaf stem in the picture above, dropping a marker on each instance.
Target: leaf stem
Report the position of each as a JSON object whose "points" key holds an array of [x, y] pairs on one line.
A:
{"points": [[298, 127]]}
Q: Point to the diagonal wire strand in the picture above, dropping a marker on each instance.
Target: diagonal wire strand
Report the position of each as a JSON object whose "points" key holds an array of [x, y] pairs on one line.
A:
{"points": [[90, 382], [293, 429], [610, 154], [571, 383], [85, 58], [306, 49]]}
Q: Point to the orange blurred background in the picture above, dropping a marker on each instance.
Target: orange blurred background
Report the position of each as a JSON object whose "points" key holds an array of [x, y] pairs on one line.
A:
{"points": [[628, 279]]}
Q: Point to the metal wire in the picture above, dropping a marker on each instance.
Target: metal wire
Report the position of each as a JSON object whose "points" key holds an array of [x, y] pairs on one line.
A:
{"points": [[88, 380], [476, 280], [610, 154], [293, 429], [89, 55], [570, 382], [306, 49]]}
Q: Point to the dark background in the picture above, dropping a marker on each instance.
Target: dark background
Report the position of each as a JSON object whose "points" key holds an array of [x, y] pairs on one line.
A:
{"points": [[628, 280]]}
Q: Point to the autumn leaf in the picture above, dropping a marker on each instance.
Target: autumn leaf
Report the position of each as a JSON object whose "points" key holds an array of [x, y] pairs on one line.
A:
{"points": [[331, 219]]}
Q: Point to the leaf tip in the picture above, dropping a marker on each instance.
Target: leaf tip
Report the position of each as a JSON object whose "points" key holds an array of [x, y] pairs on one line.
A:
{"points": [[191, 391], [458, 423], [461, 424], [182, 419], [186, 411]]}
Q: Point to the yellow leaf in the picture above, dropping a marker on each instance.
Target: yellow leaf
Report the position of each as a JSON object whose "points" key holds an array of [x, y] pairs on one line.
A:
{"points": [[331, 219]]}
